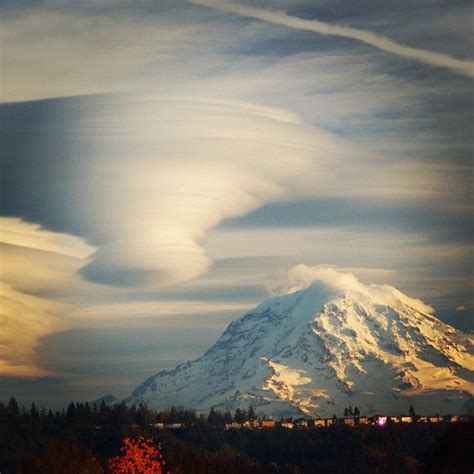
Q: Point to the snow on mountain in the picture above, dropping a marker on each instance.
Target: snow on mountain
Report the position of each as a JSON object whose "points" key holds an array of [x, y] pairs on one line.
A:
{"points": [[330, 342]]}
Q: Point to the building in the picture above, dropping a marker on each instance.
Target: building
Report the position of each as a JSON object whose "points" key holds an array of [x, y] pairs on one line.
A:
{"points": [[329, 421], [233, 426], [267, 424], [251, 424], [363, 420], [349, 421], [287, 424], [452, 418], [301, 423], [381, 420], [318, 423], [174, 426], [406, 419]]}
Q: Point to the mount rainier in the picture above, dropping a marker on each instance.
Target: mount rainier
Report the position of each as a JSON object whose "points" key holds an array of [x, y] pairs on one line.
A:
{"points": [[313, 351]]}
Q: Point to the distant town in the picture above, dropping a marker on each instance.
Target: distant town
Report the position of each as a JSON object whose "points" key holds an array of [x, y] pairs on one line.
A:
{"points": [[304, 423]]}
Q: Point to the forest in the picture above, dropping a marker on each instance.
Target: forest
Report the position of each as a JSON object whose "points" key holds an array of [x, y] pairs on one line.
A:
{"points": [[85, 439]]}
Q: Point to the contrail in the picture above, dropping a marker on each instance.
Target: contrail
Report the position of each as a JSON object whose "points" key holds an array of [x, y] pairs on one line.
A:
{"points": [[465, 67]]}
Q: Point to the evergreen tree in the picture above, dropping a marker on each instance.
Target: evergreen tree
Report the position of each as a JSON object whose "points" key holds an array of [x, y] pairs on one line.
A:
{"points": [[212, 418], [238, 418], [356, 412], [71, 413], [120, 415], [13, 408], [34, 414], [173, 416]]}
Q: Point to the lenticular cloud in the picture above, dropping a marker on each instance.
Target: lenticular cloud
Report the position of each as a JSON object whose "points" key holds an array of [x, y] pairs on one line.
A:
{"points": [[174, 168]]}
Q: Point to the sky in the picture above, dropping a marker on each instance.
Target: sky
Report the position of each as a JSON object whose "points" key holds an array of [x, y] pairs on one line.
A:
{"points": [[165, 165]]}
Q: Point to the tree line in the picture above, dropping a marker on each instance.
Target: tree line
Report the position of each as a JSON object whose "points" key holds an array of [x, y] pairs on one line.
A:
{"points": [[83, 438]]}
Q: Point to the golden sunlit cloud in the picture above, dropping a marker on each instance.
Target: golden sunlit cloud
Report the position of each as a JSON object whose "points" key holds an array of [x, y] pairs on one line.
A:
{"points": [[25, 319], [34, 264]]}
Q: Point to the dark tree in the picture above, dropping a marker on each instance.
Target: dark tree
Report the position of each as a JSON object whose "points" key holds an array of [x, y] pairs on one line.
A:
{"points": [[356, 411], [13, 408], [216, 418], [238, 418], [71, 413], [173, 416]]}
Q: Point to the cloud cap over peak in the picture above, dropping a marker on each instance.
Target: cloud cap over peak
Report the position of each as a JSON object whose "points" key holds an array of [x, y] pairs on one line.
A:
{"points": [[339, 283]]}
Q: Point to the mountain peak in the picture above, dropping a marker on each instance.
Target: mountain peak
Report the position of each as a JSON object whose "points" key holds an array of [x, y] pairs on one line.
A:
{"points": [[335, 283], [330, 341]]}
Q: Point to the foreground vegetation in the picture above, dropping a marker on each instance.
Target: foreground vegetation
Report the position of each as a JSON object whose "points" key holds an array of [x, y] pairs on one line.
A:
{"points": [[85, 439]]}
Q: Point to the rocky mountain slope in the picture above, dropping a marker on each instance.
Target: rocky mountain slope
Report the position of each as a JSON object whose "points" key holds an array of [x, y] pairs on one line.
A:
{"points": [[314, 351]]}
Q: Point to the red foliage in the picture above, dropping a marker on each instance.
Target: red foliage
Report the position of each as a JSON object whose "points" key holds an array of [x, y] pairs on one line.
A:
{"points": [[140, 456]]}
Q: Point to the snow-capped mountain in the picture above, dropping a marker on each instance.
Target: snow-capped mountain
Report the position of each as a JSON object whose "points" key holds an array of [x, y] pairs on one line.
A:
{"points": [[315, 351]]}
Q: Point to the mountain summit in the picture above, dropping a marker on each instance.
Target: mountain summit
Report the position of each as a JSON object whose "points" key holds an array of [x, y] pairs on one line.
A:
{"points": [[315, 350]]}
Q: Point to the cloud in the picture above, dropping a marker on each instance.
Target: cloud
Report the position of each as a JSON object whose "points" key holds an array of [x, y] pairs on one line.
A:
{"points": [[178, 167], [339, 283], [15, 231], [38, 261], [146, 177], [414, 261], [465, 67], [302, 276], [35, 265], [24, 320], [151, 309], [76, 50], [335, 244]]}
